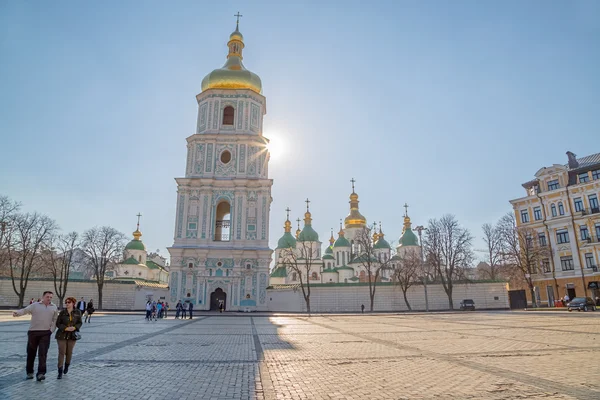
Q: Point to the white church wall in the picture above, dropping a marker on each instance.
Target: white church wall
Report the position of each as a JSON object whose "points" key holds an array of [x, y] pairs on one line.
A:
{"points": [[348, 298]]}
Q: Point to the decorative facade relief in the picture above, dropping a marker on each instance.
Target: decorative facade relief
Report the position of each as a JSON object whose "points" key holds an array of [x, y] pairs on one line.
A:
{"points": [[204, 216], [216, 115], [209, 157], [262, 288], [240, 114], [202, 117], [174, 284], [229, 168], [180, 215], [200, 156]]}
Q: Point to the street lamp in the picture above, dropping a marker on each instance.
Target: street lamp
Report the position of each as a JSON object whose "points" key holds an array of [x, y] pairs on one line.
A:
{"points": [[424, 278]]}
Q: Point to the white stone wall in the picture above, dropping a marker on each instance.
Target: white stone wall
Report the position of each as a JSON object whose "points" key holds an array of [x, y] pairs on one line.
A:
{"points": [[387, 298], [115, 296]]}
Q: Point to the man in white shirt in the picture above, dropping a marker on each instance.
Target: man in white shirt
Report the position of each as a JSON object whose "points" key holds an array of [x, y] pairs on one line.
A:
{"points": [[43, 323], [81, 306]]}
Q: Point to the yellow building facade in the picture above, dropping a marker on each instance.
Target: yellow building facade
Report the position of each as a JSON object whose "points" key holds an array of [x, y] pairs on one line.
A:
{"points": [[562, 206]]}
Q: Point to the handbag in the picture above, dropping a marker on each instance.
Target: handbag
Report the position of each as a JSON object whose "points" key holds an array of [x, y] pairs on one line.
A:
{"points": [[75, 335]]}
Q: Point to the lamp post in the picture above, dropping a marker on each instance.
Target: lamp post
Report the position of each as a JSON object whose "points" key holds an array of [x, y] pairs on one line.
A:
{"points": [[424, 278]]}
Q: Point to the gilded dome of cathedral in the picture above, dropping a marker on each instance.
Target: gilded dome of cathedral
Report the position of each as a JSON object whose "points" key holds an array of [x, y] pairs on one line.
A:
{"points": [[233, 75], [354, 219]]}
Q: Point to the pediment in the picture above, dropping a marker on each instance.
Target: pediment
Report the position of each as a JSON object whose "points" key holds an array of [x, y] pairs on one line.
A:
{"points": [[554, 169]]}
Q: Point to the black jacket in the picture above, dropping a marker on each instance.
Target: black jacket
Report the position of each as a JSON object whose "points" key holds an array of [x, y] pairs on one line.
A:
{"points": [[64, 321], [78, 306]]}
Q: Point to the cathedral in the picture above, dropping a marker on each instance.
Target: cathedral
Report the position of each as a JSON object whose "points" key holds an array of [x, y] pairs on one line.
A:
{"points": [[343, 260], [221, 255]]}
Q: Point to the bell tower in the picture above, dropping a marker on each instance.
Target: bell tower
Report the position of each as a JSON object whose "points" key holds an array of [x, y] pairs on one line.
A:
{"points": [[221, 253]]}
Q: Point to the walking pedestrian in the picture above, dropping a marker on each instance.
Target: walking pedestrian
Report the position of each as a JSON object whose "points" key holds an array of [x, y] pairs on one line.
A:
{"points": [[148, 310], [362, 308], [81, 306], [154, 310], [221, 307], [89, 311], [43, 324], [165, 309], [67, 323], [191, 309], [184, 309], [178, 308], [159, 308]]}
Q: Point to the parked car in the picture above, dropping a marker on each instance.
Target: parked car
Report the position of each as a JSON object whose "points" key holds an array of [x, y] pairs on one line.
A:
{"points": [[467, 304], [582, 303]]}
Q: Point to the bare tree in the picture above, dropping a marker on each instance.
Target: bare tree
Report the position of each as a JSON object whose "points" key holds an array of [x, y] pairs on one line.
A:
{"points": [[8, 213], [406, 271], [102, 246], [493, 251], [521, 250], [58, 258], [367, 258], [448, 248], [300, 261], [30, 234]]}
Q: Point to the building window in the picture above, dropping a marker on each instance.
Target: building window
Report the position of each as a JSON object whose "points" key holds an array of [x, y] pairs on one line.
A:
{"points": [[589, 260], [566, 263], [553, 185], [524, 216], [210, 272], [546, 265], [594, 203], [228, 114], [583, 177], [553, 210], [314, 276], [294, 276], [578, 204], [139, 258], [598, 232], [561, 208], [562, 237], [190, 265], [542, 239], [223, 222], [596, 174], [225, 157], [585, 234], [537, 213]]}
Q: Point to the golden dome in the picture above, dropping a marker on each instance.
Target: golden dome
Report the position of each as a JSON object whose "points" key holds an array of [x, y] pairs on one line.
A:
{"points": [[233, 75], [354, 219]]}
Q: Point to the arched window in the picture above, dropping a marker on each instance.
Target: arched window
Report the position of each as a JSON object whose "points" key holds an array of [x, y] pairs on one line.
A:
{"points": [[561, 208], [314, 276], [553, 210], [140, 258], [228, 114], [294, 276], [223, 222]]}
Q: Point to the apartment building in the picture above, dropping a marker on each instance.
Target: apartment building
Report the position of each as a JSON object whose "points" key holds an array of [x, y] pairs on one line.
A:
{"points": [[561, 205]]}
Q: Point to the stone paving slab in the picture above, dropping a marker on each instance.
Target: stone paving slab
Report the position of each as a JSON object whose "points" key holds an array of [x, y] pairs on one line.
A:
{"points": [[480, 355]]}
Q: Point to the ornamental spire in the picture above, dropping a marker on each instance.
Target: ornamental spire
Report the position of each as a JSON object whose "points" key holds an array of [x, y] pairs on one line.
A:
{"points": [[354, 218], [298, 230], [288, 224], [307, 214], [137, 234]]}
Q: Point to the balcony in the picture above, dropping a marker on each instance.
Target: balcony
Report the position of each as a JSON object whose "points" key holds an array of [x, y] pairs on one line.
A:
{"points": [[222, 233], [590, 240], [590, 211]]}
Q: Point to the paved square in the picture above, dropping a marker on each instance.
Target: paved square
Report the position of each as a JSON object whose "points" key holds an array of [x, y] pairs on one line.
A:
{"points": [[481, 355]]}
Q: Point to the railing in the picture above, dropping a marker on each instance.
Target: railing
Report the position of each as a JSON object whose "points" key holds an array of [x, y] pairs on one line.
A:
{"points": [[590, 239], [223, 225], [590, 211]]}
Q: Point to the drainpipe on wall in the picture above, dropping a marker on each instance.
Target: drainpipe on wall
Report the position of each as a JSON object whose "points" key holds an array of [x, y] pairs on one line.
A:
{"points": [[550, 247], [576, 242]]}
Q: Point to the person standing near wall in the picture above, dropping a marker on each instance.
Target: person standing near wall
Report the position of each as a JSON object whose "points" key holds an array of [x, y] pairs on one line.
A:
{"points": [[43, 323], [184, 309], [191, 309], [67, 323]]}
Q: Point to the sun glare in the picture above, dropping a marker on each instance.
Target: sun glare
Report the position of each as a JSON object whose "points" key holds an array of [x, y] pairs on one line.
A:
{"points": [[276, 145]]}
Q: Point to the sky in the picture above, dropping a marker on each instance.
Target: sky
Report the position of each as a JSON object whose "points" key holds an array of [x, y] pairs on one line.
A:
{"points": [[446, 106]]}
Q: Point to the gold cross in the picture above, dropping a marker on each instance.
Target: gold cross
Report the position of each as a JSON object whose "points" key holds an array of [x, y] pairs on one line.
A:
{"points": [[405, 210], [288, 213], [307, 201], [238, 15], [353, 181], [138, 224]]}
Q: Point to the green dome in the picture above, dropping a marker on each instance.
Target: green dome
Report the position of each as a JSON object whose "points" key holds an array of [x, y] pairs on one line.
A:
{"points": [[329, 250], [382, 244], [409, 238], [308, 234], [328, 257], [287, 241], [341, 242], [135, 245]]}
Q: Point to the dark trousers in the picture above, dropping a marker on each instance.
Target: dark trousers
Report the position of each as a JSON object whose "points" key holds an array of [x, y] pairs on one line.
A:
{"points": [[183, 312], [37, 342], [190, 311]]}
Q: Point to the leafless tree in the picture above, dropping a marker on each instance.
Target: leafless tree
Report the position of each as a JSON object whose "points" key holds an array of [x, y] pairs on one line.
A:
{"points": [[300, 261], [30, 234], [102, 246], [448, 249], [493, 251], [406, 271], [367, 258], [521, 250], [58, 258], [8, 213]]}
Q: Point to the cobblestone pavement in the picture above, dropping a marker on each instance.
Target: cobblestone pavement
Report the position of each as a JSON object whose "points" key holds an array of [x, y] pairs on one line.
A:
{"points": [[480, 355]]}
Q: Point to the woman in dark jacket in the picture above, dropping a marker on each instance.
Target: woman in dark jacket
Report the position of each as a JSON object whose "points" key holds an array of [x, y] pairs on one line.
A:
{"points": [[89, 311], [67, 323]]}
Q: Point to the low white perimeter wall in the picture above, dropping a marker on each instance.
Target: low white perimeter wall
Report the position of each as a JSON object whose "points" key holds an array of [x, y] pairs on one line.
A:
{"points": [[115, 295], [348, 297]]}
